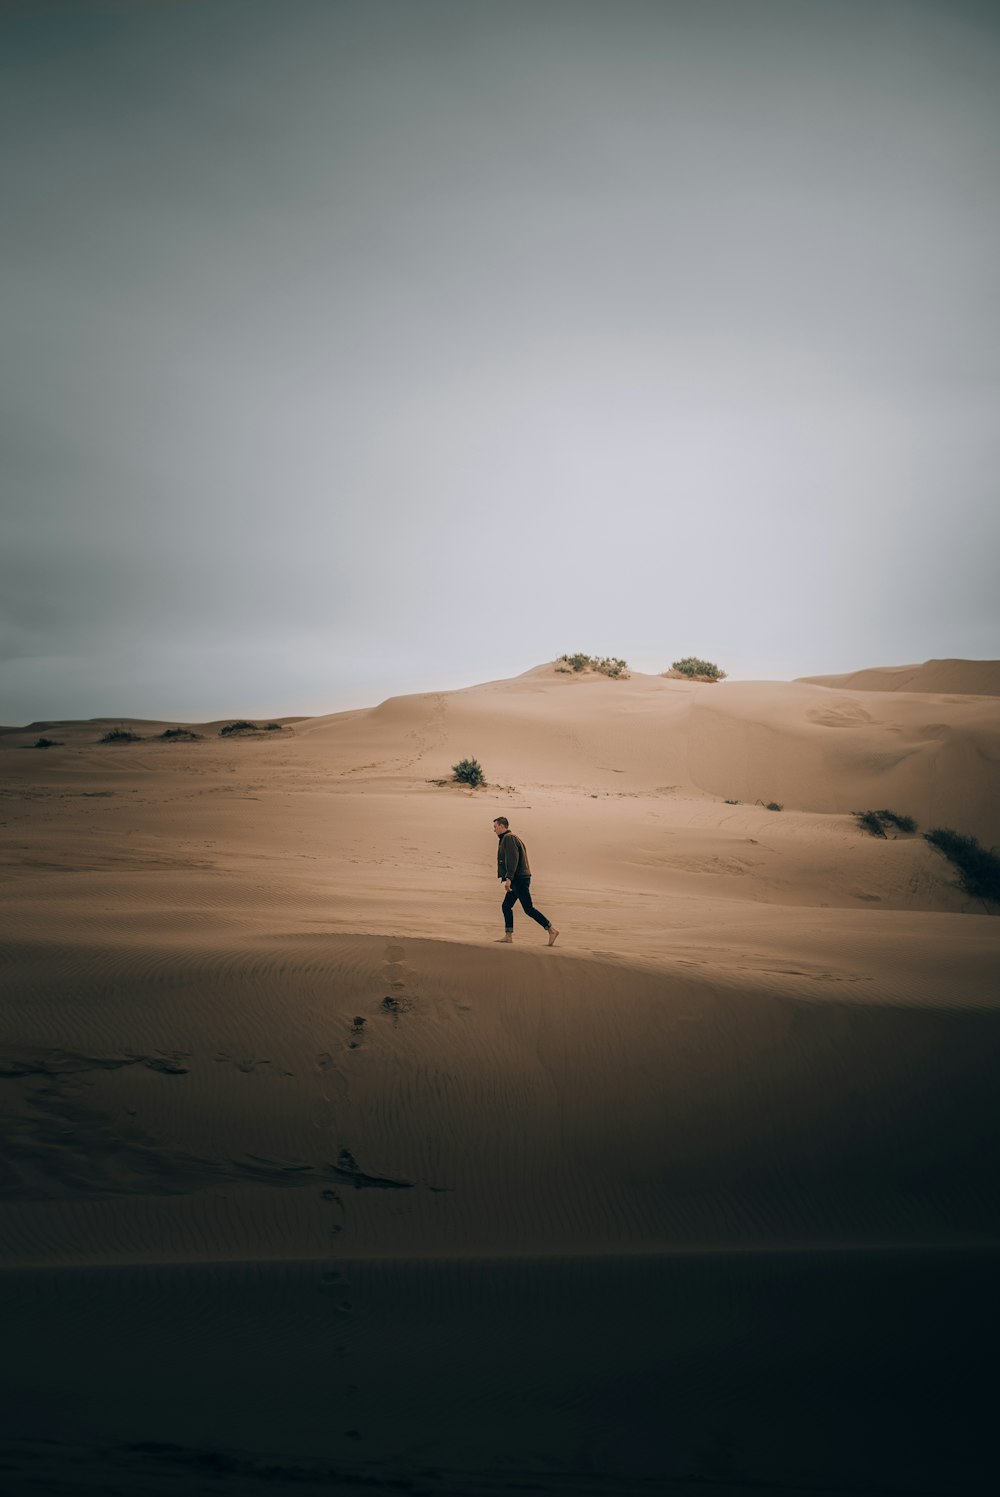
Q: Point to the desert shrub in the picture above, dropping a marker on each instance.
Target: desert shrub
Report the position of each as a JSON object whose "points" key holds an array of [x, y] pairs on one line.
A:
{"points": [[692, 666], [606, 665], [905, 823], [876, 822], [177, 735], [121, 735], [978, 867], [469, 772], [272, 728], [47, 743], [774, 805], [732, 802], [239, 727]]}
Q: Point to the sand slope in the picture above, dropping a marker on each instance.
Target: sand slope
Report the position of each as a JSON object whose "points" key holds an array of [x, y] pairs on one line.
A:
{"points": [[941, 677], [192, 929], [432, 1098], [271, 1091]]}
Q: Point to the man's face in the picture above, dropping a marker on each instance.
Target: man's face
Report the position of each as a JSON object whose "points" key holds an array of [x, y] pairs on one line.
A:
{"points": [[499, 828]]}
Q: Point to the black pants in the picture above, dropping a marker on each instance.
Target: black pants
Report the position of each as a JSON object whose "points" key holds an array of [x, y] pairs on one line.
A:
{"points": [[520, 890]]}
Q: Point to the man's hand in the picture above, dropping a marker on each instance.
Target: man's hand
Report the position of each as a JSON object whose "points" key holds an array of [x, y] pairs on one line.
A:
{"points": [[506, 884]]}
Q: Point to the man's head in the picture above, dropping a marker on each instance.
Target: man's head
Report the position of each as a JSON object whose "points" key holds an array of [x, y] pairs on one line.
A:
{"points": [[501, 825]]}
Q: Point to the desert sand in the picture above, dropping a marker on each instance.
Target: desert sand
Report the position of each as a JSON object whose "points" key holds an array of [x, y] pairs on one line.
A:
{"points": [[307, 1181], [941, 677]]}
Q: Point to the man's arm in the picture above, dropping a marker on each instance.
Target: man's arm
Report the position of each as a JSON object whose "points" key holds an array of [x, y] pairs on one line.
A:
{"points": [[511, 857]]}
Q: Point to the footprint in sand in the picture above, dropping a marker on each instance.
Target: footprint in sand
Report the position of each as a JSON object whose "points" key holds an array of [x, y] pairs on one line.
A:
{"points": [[336, 1223], [395, 1003], [332, 1281]]}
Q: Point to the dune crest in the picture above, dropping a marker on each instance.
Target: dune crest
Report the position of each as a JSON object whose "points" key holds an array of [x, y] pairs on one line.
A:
{"points": [[940, 677]]}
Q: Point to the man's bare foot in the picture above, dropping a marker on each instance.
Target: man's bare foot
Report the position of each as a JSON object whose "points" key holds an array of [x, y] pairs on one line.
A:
{"points": [[552, 935], [506, 941]]}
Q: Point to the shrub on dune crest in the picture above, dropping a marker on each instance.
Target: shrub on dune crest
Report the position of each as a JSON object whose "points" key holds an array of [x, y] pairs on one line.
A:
{"points": [[604, 665], [905, 823], [978, 867], [876, 822], [469, 772], [121, 735], [244, 727], [697, 670]]}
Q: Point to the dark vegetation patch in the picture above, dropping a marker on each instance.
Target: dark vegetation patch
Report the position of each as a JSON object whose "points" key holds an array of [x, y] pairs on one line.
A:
{"points": [[180, 735], [604, 665], [732, 803], [698, 670], [121, 735], [978, 867], [244, 727], [876, 822], [47, 743], [773, 805], [469, 772]]}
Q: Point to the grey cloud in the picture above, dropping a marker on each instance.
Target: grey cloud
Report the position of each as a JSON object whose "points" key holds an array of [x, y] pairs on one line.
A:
{"points": [[317, 318]]}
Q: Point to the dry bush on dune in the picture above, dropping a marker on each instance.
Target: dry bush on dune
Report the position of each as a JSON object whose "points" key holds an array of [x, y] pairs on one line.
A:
{"points": [[179, 735], [121, 735], [244, 727], [695, 669], [469, 772], [978, 867], [876, 822], [605, 665]]}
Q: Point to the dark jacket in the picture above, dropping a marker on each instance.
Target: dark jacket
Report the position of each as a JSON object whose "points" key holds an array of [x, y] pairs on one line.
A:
{"points": [[512, 856]]}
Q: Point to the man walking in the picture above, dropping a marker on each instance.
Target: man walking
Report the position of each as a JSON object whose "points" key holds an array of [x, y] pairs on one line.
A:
{"points": [[513, 867]]}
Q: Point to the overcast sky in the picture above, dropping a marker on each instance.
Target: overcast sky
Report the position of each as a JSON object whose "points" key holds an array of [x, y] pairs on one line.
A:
{"points": [[356, 347]]}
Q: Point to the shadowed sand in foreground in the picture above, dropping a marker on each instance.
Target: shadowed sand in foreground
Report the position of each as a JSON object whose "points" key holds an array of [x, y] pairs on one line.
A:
{"points": [[308, 1183]]}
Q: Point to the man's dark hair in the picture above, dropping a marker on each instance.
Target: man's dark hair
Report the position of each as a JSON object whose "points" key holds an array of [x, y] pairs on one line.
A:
{"points": [[502, 820]]}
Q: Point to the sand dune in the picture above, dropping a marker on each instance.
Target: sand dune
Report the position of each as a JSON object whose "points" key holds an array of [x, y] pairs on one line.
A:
{"points": [[493, 1204], [429, 1098], [941, 677]]}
